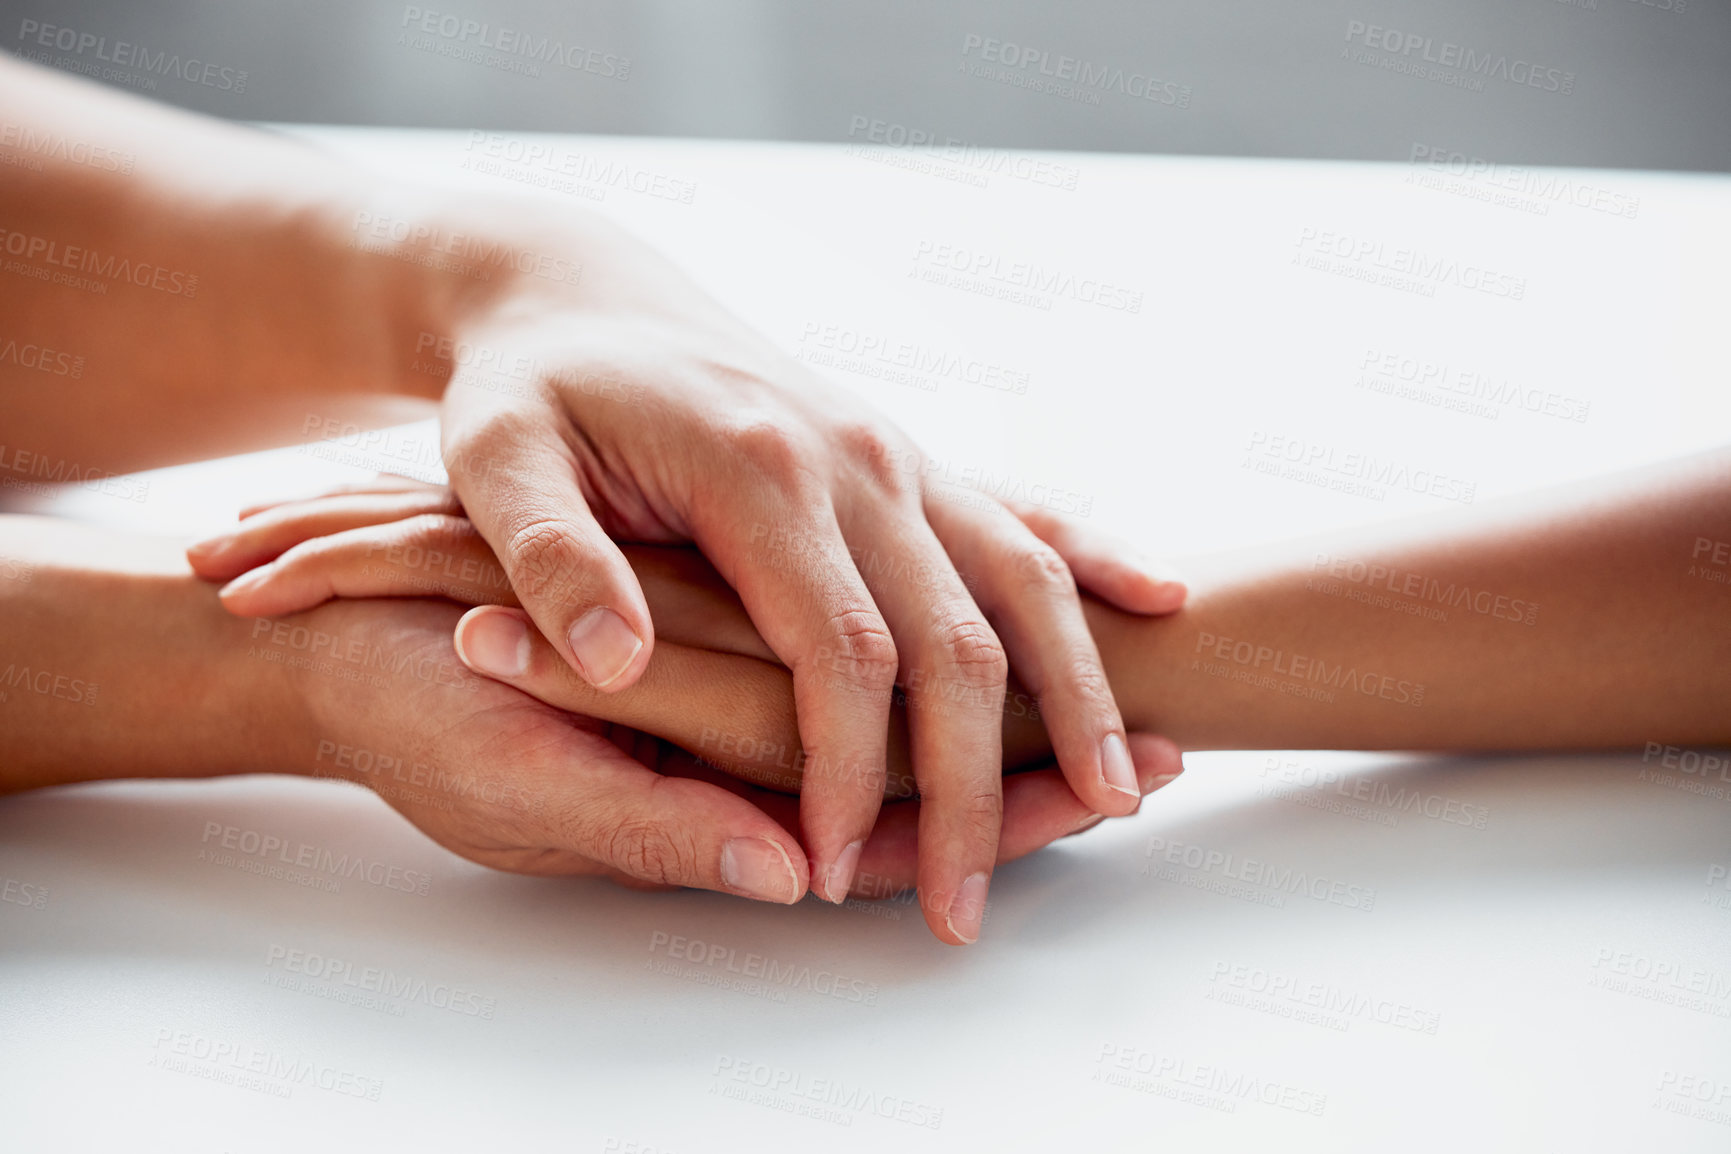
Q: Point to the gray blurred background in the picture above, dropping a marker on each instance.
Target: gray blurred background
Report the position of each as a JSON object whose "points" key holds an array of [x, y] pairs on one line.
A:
{"points": [[1618, 83]]}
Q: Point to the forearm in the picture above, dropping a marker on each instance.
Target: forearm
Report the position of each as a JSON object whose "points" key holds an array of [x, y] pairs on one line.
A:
{"points": [[117, 662], [1575, 619], [175, 287]]}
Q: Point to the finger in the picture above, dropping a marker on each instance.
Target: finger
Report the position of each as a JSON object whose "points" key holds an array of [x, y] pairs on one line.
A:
{"points": [[1105, 566], [1039, 808], [519, 483], [812, 607], [734, 712], [953, 671], [430, 554], [690, 603], [427, 555], [666, 830], [267, 535], [382, 483], [1026, 591]]}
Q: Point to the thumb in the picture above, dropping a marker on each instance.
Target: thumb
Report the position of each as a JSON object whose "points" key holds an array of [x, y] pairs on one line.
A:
{"points": [[568, 574]]}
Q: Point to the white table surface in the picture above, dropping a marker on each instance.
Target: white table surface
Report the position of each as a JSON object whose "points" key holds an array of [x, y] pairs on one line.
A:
{"points": [[1557, 979]]}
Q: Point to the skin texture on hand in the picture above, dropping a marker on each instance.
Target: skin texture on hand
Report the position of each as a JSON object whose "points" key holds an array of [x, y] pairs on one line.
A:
{"points": [[732, 703], [394, 537], [520, 786], [530, 788], [151, 678], [810, 506], [1587, 616]]}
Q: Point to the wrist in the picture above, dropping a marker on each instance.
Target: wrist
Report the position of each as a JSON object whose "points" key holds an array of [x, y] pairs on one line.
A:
{"points": [[133, 668], [1134, 650], [440, 269], [261, 706]]}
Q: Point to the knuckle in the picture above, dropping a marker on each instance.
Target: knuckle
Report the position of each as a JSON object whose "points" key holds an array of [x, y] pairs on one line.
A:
{"points": [[1041, 569], [1084, 680], [972, 653], [650, 851], [862, 648], [978, 815], [543, 555], [771, 449], [873, 453]]}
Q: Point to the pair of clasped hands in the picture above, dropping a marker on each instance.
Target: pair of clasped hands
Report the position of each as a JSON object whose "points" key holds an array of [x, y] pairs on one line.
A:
{"points": [[844, 652]]}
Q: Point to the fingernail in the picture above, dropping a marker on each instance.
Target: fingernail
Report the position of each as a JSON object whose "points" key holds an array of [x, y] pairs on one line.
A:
{"points": [[496, 644], [1089, 822], [247, 581], [838, 878], [1163, 779], [211, 546], [1160, 572], [604, 646], [968, 908], [1115, 766], [1169, 588], [759, 868], [1171, 594]]}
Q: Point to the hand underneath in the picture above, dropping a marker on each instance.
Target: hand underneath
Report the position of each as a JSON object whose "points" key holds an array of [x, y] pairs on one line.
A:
{"points": [[714, 688]]}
